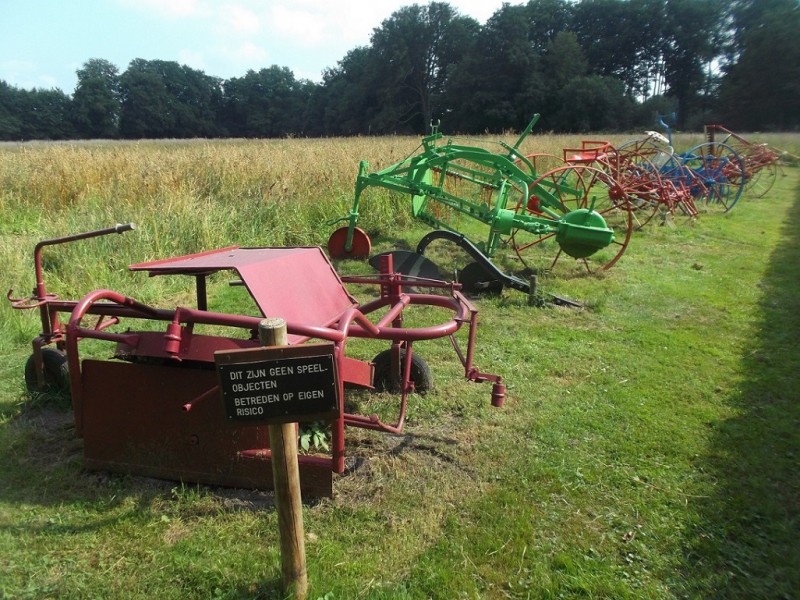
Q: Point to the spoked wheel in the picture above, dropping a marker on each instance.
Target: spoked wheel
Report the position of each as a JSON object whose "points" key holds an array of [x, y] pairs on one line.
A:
{"points": [[760, 166], [679, 185], [760, 177], [641, 180], [337, 244], [568, 194], [721, 172]]}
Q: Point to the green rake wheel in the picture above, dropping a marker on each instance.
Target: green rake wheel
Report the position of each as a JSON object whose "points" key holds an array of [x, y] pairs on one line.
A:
{"points": [[588, 197]]}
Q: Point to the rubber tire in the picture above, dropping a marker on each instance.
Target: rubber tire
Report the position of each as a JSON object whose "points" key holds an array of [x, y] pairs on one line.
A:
{"points": [[477, 280], [420, 372], [56, 373]]}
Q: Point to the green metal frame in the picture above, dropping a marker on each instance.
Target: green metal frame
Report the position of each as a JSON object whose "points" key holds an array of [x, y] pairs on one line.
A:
{"points": [[580, 232]]}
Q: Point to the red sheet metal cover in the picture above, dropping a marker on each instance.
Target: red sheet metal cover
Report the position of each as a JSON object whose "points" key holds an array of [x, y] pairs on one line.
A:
{"points": [[297, 284]]}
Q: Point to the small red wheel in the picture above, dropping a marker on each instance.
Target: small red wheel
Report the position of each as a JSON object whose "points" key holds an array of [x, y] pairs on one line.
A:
{"points": [[361, 244]]}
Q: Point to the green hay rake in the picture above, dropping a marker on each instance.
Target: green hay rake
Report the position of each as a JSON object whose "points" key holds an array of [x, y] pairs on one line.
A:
{"points": [[486, 201]]}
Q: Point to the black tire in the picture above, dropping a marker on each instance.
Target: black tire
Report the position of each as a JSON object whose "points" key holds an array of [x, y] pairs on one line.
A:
{"points": [[56, 373], [477, 280], [420, 372]]}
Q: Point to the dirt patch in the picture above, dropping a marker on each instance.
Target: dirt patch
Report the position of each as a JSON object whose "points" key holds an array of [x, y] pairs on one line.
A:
{"points": [[421, 461]]}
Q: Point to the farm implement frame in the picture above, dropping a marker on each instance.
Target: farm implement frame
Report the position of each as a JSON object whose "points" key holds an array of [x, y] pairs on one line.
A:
{"points": [[710, 176], [566, 214], [761, 161], [156, 409]]}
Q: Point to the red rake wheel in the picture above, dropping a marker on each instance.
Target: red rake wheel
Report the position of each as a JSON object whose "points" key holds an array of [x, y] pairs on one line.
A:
{"points": [[678, 183], [761, 170], [760, 164], [574, 187], [338, 241], [640, 180]]}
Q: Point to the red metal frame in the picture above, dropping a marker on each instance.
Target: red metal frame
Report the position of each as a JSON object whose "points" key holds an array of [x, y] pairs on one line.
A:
{"points": [[298, 284]]}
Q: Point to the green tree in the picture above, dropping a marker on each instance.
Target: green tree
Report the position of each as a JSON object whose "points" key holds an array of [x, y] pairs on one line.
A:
{"points": [[546, 19], [593, 103], [165, 99], [691, 42], [761, 85], [267, 103], [622, 39], [45, 115], [500, 85], [34, 114], [10, 123], [350, 96], [416, 48], [96, 101], [564, 60]]}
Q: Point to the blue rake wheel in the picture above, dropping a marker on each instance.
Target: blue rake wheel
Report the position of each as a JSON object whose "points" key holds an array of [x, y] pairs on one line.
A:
{"points": [[720, 170]]}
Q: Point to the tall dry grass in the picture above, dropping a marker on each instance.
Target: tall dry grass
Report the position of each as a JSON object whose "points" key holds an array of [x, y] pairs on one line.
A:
{"points": [[57, 177], [187, 196]]}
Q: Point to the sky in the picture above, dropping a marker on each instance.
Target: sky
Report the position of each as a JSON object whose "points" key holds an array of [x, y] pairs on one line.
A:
{"points": [[44, 42]]}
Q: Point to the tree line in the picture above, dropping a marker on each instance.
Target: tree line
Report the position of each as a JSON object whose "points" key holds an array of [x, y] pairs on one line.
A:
{"points": [[590, 65]]}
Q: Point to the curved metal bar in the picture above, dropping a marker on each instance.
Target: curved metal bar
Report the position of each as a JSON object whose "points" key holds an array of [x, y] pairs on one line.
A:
{"points": [[74, 332]]}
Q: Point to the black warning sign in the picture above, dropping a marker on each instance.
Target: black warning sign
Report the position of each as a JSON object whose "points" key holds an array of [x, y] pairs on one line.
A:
{"points": [[279, 385]]}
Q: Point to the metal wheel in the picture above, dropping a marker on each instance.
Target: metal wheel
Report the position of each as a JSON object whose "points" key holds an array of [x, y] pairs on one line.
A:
{"points": [[574, 187], [760, 178], [679, 184], [642, 182], [722, 173], [760, 165], [338, 241]]}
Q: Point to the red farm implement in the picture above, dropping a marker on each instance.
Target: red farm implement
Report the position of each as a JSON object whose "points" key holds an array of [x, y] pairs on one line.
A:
{"points": [[642, 172], [709, 177], [156, 409], [761, 161]]}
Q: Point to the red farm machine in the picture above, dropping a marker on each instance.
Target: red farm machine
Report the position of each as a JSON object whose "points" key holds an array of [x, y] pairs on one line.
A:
{"points": [[155, 407]]}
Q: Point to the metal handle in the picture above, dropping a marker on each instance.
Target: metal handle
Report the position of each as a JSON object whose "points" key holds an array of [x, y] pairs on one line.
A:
{"points": [[123, 227]]}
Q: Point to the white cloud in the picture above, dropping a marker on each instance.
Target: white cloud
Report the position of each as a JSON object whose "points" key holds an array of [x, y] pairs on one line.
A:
{"points": [[26, 74], [246, 54], [307, 36], [296, 24], [192, 58], [250, 51], [240, 19]]}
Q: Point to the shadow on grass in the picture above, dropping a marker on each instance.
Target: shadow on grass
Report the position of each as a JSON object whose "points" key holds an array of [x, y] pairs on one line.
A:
{"points": [[744, 542], [44, 467]]}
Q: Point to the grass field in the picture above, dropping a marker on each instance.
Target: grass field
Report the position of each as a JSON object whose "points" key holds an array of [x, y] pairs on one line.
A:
{"points": [[649, 446]]}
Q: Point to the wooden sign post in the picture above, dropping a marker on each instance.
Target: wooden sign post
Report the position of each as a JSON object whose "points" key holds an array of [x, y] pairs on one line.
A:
{"points": [[280, 385], [285, 472]]}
